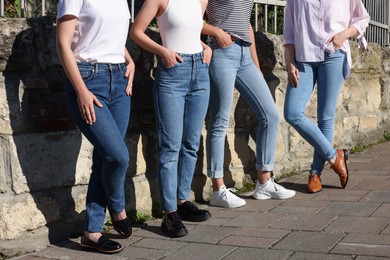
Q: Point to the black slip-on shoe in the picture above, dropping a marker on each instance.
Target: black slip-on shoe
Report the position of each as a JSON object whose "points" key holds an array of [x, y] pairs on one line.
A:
{"points": [[189, 212], [103, 245], [123, 227], [172, 225]]}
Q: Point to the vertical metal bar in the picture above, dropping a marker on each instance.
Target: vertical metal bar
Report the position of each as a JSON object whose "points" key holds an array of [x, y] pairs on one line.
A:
{"points": [[256, 17], [132, 11], [266, 18], [43, 7], [275, 19], [387, 41], [2, 8], [21, 8]]}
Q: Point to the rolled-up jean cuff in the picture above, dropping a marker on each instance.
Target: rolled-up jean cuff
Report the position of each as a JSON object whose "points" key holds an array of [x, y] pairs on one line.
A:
{"points": [[215, 174], [265, 168]]}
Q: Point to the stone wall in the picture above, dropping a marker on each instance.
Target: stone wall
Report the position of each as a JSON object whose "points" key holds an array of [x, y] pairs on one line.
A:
{"points": [[45, 162]]}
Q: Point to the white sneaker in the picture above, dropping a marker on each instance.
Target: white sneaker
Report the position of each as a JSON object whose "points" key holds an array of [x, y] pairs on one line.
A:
{"points": [[225, 198], [272, 190]]}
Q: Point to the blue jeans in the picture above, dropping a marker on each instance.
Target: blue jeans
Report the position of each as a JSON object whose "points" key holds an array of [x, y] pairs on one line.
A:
{"points": [[110, 155], [181, 96], [233, 67], [329, 76]]}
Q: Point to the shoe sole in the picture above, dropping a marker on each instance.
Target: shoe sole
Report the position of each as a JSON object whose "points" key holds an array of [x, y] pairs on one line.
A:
{"points": [[228, 207], [345, 151], [195, 219], [313, 192], [123, 234], [174, 234], [275, 198], [93, 248]]}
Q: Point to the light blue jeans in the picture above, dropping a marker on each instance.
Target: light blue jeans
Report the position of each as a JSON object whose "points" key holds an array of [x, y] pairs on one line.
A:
{"points": [[110, 155], [329, 76], [181, 96], [233, 67]]}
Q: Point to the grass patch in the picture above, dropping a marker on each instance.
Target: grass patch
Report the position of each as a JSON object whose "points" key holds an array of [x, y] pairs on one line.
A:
{"points": [[361, 148], [137, 219], [246, 187]]}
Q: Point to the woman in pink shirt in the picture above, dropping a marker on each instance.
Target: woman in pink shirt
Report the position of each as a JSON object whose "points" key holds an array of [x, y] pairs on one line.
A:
{"points": [[317, 51]]}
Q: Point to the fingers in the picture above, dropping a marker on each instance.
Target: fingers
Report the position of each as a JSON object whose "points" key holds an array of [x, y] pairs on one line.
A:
{"points": [[178, 58], [129, 89], [88, 115]]}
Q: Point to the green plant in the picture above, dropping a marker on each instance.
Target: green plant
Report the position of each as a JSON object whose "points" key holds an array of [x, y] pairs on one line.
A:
{"points": [[247, 186], [137, 219], [13, 8], [361, 148], [386, 136]]}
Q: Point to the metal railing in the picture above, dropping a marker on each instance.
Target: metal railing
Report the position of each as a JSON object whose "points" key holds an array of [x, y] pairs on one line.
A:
{"points": [[26, 8], [268, 15], [379, 29], [30, 8]]}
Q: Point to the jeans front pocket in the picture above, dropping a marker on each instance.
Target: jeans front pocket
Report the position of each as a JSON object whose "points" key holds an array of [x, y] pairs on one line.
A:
{"points": [[87, 71]]}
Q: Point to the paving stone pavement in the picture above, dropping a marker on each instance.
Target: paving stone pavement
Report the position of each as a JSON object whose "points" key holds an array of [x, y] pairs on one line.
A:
{"points": [[353, 223]]}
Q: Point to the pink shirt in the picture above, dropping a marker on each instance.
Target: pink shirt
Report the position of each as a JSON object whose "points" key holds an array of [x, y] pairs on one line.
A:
{"points": [[309, 23]]}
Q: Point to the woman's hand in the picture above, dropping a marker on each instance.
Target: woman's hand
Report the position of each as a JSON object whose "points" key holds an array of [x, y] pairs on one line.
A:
{"points": [[170, 58], [86, 101], [207, 53], [129, 74], [223, 38], [337, 40], [292, 74]]}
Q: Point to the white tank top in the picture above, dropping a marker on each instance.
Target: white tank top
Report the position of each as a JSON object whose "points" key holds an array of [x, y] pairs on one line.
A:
{"points": [[180, 26]]}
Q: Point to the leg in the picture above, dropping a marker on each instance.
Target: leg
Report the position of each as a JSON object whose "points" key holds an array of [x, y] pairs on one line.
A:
{"points": [[330, 79], [223, 69], [255, 91], [169, 96], [294, 108], [196, 104], [110, 157]]}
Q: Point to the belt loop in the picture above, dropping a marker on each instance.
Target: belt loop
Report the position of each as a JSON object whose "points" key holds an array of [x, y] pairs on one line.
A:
{"points": [[96, 67]]}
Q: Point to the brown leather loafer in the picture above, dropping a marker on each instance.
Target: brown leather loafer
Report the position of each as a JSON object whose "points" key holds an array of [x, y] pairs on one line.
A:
{"points": [[314, 185], [340, 166]]}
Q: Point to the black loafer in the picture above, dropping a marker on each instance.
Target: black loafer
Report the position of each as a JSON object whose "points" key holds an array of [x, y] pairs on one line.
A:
{"points": [[172, 225], [188, 211], [103, 245], [123, 227]]}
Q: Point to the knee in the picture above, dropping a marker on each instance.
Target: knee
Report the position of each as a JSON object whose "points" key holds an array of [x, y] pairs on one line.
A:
{"points": [[120, 159], [292, 117], [218, 125]]}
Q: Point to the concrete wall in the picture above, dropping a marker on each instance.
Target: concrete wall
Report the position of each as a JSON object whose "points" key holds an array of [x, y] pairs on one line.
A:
{"points": [[45, 162]]}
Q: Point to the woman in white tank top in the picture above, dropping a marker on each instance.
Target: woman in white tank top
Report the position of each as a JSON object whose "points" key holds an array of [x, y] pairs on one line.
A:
{"points": [[181, 96]]}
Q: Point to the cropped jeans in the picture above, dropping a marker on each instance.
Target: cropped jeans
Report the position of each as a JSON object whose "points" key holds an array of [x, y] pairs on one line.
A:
{"points": [[329, 76], [181, 96], [110, 155], [233, 67]]}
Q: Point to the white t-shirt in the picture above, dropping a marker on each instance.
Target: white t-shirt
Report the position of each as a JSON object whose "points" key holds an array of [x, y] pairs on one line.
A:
{"points": [[101, 30]]}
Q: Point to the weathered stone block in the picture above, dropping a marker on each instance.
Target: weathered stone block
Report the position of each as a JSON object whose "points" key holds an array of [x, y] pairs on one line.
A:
{"points": [[350, 122], [368, 122], [25, 211]]}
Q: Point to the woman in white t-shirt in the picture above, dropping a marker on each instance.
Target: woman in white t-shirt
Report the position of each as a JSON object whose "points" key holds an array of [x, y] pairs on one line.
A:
{"points": [[91, 37], [181, 96]]}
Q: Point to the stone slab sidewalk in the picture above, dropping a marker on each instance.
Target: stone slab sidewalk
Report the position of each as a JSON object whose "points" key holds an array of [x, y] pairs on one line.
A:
{"points": [[335, 224]]}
